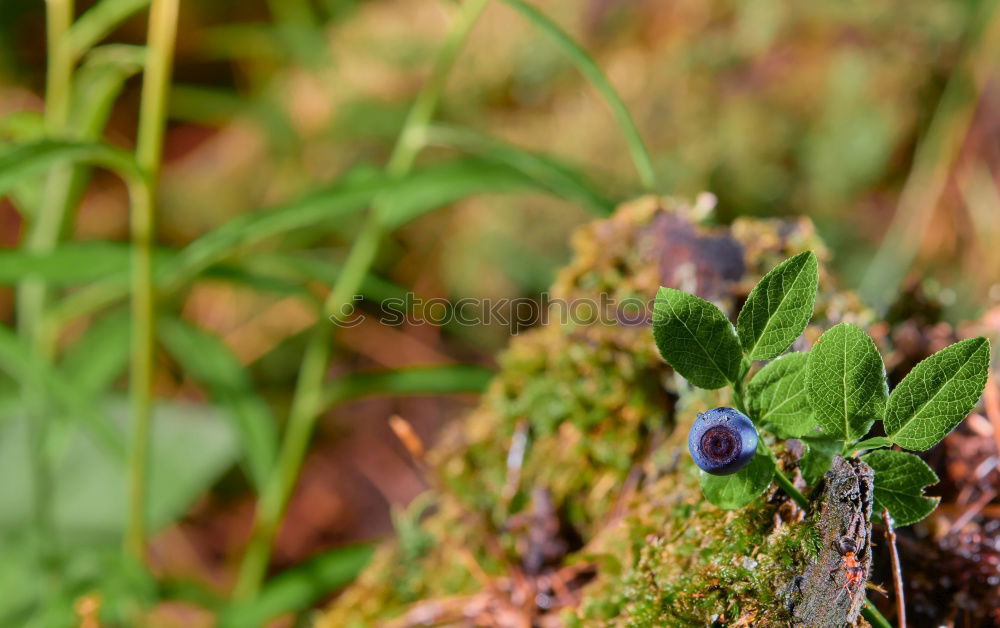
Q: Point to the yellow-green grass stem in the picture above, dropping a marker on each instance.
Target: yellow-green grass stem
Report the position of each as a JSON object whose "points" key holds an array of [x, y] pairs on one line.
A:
{"points": [[149, 148], [32, 292]]}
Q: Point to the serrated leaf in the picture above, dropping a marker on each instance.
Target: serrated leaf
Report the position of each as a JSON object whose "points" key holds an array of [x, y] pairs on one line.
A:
{"points": [[846, 382], [937, 394], [734, 491], [900, 479], [777, 396], [696, 338], [779, 307], [817, 460]]}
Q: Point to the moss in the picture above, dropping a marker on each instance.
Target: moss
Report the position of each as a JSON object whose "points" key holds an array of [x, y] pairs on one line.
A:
{"points": [[597, 409]]}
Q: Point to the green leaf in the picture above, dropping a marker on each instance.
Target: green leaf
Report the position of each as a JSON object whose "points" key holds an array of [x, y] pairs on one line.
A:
{"points": [[70, 263], [777, 396], [730, 492], [846, 382], [447, 183], [300, 587], [429, 380], [937, 394], [779, 307], [94, 361], [208, 361], [592, 71], [26, 160], [818, 459], [696, 338], [876, 442], [558, 178], [98, 22], [25, 366], [900, 479], [191, 446]]}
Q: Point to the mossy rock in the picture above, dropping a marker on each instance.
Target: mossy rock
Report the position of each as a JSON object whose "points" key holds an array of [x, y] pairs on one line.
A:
{"points": [[568, 498]]}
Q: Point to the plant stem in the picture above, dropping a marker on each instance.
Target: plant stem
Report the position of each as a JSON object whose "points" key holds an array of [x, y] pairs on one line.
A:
{"points": [[586, 65], [32, 293], [897, 572], [307, 399], [149, 147], [790, 489], [874, 617]]}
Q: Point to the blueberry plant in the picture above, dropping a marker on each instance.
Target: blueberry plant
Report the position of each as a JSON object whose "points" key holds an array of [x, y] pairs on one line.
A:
{"points": [[830, 397]]}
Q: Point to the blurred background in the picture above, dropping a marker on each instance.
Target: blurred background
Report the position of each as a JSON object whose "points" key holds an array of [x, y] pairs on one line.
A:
{"points": [[878, 120]]}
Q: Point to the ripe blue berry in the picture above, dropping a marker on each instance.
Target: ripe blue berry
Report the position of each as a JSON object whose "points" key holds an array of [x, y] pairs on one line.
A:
{"points": [[722, 441]]}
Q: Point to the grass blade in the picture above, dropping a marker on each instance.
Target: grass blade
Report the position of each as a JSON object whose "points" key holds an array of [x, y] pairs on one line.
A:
{"points": [[208, 361], [94, 362], [98, 22], [23, 365], [548, 173], [27, 160], [428, 380], [299, 587], [589, 68], [68, 264]]}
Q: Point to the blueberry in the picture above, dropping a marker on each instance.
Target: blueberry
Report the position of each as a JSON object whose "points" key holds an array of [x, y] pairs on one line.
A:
{"points": [[722, 441]]}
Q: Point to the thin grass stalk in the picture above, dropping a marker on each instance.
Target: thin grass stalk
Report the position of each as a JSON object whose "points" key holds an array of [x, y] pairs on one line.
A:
{"points": [[308, 397], [149, 148], [32, 293], [589, 68]]}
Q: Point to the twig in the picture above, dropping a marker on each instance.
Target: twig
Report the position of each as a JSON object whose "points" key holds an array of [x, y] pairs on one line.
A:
{"points": [[991, 401], [897, 572]]}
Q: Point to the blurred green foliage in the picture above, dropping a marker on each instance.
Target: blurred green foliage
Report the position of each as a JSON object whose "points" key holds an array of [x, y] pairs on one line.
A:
{"points": [[282, 115]]}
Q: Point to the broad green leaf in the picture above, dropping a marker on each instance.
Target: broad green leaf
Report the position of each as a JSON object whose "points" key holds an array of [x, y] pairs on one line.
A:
{"points": [[818, 459], [208, 361], [696, 339], [777, 396], [739, 489], [779, 307], [846, 382], [429, 380], [900, 479], [937, 394], [300, 587], [191, 447]]}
